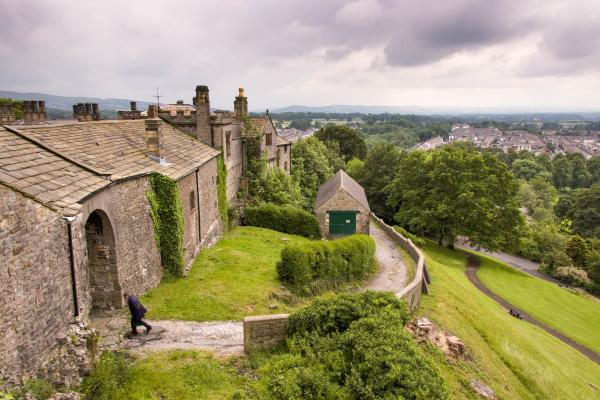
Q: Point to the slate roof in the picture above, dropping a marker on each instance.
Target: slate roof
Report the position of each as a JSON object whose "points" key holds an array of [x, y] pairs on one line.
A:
{"points": [[259, 123], [61, 164], [341, 180], [281, 141]]}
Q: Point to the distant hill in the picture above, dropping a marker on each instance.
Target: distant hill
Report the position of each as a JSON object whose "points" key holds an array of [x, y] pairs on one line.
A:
{"points": [[66, 103], [347, 109]]}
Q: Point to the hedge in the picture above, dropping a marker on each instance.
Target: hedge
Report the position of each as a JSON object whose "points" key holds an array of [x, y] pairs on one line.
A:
{"points": [[317, 266], [284, 219], [417, 241], [367, 356]]}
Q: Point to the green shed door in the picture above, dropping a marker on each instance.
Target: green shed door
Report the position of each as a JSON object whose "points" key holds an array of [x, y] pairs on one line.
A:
{"points": [[342, 222]]}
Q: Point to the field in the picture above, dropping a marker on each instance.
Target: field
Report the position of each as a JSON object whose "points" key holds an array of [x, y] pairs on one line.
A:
{"points": [[571, 314], [231, 280], [518, 360]]}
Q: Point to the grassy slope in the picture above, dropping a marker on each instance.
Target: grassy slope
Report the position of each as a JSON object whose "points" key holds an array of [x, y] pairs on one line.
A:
{"points": [[233, 279], [183, 375], [573, 315], [518, 360]]}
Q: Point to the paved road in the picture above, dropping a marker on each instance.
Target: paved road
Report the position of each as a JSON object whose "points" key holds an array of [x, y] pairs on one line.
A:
{"points": [[520, 263], [473, 263], [391, 276]]}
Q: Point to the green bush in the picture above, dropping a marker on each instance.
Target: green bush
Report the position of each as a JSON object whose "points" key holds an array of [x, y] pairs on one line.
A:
{"points": [[36, 389], [417, 241], [335, 314], [350, 346], [285, 219], [316, 266], [110, 373]]}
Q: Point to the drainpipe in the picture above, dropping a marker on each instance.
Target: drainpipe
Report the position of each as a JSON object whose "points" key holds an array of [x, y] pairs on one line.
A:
{"points": [[72, 265], [198, 210]]}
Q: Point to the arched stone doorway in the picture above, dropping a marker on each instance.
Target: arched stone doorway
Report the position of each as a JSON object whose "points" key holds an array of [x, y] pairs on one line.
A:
{"points": [[102, 262]]}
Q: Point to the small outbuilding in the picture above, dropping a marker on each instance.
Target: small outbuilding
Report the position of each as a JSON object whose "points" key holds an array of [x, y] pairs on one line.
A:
{"points": [[341, 207]]}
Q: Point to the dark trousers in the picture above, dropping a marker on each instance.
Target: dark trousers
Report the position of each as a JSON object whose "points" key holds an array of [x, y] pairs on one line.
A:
{"points": [[137, 322]]}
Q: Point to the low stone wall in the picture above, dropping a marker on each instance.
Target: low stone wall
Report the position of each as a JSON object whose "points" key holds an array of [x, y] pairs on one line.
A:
{"points": [[411, 292], [265, 330]]}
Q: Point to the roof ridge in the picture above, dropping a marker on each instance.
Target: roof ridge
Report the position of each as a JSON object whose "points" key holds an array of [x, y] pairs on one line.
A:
{"points": [[46, 147]]}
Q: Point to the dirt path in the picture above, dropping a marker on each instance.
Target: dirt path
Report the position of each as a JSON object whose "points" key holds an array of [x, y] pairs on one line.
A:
{"points": [[473, 263], [392, 273]]}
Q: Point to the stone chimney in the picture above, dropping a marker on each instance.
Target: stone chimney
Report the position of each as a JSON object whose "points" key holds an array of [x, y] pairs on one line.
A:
{"points": [[152, 111], [7, 113], [240, 106], [34, 111], [133, 105], [86, 112], [202, 104], [154, 140]]}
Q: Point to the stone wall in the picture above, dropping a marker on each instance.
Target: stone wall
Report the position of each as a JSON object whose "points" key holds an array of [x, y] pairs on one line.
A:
{"points": [[234, 159], [285, 157], [189, 200], [36, 304], [211, 227], [342, 201], [137, 256], [265, 331]]}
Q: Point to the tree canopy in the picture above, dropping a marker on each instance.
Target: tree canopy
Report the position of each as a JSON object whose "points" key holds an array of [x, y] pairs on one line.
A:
{"points": [[455, 191], [350, 142]]}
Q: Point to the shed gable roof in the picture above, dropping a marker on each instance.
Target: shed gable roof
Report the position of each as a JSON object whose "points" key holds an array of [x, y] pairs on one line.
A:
{"points": [[341, 180]]}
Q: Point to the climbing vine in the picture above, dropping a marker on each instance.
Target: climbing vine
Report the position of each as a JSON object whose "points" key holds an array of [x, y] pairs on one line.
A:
{"points": [[222, 191], [166, 211]]}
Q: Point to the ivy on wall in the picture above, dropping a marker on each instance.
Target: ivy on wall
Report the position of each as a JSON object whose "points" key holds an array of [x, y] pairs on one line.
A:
{"points": [[222, 191], [166, 211]]}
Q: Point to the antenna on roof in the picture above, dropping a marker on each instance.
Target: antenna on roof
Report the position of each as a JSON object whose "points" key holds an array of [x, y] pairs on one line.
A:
{"points": [[157, 98]]}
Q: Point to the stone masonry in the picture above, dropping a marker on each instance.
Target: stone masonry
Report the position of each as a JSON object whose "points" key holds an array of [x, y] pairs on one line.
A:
{"points": [[265, 331]]}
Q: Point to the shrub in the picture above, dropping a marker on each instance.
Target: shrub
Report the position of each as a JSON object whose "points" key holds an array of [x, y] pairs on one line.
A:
{"points": [[335, 314], [36, 389], [108, 377], [316, 266], [417, 241], [286, 219], [572, 275], [350, 346]]}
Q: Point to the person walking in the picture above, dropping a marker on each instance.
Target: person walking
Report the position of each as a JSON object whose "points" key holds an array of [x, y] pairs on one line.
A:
{"points": [[137, 313]]}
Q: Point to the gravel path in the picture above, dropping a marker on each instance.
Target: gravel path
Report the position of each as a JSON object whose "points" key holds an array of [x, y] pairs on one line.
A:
{"points": [[392, 269], [473, 263]]}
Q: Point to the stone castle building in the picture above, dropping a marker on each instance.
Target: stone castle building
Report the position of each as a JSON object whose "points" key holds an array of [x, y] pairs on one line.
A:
{"points": [[75, 225]]}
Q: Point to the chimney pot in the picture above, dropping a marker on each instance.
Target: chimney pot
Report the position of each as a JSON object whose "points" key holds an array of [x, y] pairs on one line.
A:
{"points": [[133, 105]]}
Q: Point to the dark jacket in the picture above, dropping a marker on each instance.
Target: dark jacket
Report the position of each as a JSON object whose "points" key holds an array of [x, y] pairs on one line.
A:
{"points": [[135, 307]]}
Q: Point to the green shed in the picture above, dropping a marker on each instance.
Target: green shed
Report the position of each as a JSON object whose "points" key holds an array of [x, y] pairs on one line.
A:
{"points": [[341, 207]]}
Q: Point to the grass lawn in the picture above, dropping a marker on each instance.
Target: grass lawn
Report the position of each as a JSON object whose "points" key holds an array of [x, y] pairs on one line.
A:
{"points": [[517, 359], [231, 280], [575, 316], [177, 375]]}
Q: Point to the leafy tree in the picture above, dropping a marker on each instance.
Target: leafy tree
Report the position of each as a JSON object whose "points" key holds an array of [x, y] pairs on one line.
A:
{"points": [[593, 166], [526, 169], [356, 169], [586, 212], [300, 124], [351, 143], [561, 172], [457, 191], [379, 170], [577, 251], [312, 164], [277, 187], [580, 176]]}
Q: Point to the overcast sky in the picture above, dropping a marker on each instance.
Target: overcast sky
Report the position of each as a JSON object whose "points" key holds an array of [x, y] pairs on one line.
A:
{"points": [[490, 53]]}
